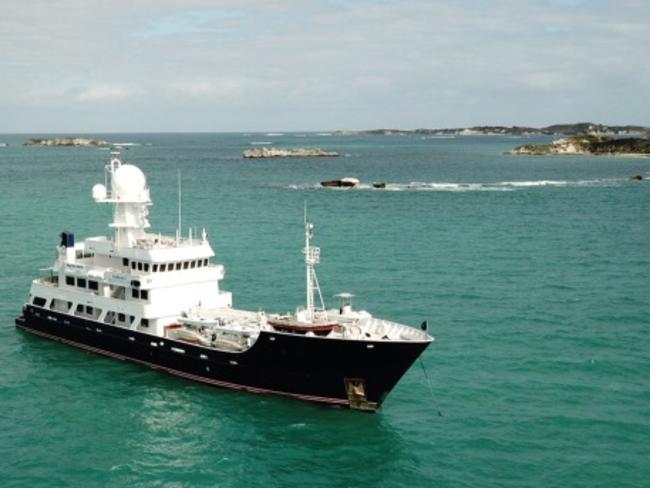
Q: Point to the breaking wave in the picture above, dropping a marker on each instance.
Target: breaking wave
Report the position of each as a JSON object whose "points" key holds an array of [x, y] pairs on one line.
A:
{"points": [[463, 187]]}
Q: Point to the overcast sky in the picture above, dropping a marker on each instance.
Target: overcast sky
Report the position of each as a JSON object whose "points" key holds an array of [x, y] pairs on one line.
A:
{"points": [[200, 65]]}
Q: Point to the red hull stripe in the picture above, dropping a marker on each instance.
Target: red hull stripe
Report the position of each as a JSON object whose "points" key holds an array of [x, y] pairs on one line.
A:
{"points": [[190, 376]]}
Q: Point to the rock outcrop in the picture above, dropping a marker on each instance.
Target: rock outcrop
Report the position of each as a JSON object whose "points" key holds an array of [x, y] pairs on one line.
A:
{"points": [[588, 144], [64, 141], [347, 182], [272, 152]]}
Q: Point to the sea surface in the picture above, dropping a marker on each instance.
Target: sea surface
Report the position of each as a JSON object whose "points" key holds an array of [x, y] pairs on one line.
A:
{"points": [[533, 273]]}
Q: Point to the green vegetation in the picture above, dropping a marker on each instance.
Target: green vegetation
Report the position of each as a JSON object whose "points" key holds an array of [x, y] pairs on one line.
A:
{"points": [[588, 144]]}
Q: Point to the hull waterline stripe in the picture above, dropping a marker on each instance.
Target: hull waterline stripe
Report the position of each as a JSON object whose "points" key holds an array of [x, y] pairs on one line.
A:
{"points": [[201, 379]]}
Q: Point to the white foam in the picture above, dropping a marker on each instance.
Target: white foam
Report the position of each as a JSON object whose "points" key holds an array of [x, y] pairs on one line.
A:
{"points": [[529, 184], [468, 187]]}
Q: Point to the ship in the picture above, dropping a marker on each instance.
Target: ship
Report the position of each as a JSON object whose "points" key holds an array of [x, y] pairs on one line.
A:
{"points": [[156, 300]]}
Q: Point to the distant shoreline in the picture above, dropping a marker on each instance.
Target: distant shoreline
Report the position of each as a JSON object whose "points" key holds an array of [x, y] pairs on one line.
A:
{"points": [[497, 130]]}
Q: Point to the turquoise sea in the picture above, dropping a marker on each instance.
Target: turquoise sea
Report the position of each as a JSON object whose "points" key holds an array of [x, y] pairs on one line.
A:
{"points": [[532, 272]]}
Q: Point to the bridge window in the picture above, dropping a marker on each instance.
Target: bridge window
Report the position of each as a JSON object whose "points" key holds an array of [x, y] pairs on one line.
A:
{"points": [[69, 280], [193, 264], [135, 293], [39, 301], [121, 317], [93, 285], [125, 261], [81, 282], [186, 264], [144, 294], [163, 267], [178, 266], [155, 268], [146, 266], [144, 322]]}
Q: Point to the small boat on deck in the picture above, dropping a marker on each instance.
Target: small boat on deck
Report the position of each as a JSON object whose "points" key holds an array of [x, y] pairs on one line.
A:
{"points": [[289, 324]]}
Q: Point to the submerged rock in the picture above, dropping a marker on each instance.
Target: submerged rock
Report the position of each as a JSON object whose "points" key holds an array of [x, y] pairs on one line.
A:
{"points": [[272, 152], [64, 141], [636, 177], [347, 182], [379, 184]]}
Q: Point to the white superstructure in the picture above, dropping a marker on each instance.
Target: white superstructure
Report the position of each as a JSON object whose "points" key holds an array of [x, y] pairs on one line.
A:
{"points": [[134, 279]]}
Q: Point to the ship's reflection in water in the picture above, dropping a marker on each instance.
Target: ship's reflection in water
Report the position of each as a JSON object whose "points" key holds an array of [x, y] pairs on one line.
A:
{"points": [[216, 437]]}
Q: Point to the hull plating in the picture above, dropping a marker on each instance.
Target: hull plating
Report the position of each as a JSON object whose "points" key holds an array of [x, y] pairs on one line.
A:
{"points": [[308, 368]]}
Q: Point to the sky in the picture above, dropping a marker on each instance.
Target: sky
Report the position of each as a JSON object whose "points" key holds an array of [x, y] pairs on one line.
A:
{"points": [[288, 65]]}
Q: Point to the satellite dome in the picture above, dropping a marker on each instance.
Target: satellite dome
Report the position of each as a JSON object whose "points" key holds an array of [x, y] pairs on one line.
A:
{"points": [[129, 183], [99, 192]]}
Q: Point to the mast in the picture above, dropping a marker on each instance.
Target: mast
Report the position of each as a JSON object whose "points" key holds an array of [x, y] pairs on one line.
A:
{"points": [[312, 258], [180, 226]]}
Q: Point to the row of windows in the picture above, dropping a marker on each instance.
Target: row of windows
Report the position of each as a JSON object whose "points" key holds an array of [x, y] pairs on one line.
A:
{"points": [[92, 311], [140, 266], [94, 285], [82, 283]]}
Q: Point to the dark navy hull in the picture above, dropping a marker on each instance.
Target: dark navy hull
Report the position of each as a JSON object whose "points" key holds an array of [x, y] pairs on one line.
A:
{"points": [[352, 373]]}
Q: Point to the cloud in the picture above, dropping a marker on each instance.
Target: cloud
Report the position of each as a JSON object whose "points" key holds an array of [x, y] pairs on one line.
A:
{"points": [[207, 89], [546, 80], [184, 22], [105, 93], [323, 65]]}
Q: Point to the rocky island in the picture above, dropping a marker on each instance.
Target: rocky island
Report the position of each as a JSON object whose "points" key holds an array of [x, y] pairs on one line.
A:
{"points": [[592, 144], [64, 141], [272, 152]]}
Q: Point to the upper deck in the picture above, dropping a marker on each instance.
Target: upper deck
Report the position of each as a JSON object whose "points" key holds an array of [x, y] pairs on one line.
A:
{"points": [[153, 248]]}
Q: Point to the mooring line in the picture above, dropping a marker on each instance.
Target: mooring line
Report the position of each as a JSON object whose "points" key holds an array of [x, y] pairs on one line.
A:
{"points": [[426, 375]]}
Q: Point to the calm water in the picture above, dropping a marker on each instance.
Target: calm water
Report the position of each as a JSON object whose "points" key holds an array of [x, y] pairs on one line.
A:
{"points": [[533, 273]]}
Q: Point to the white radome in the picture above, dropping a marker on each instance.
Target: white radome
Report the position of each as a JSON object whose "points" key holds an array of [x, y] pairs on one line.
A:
{"points": [[129, 183], [99, 192]]}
